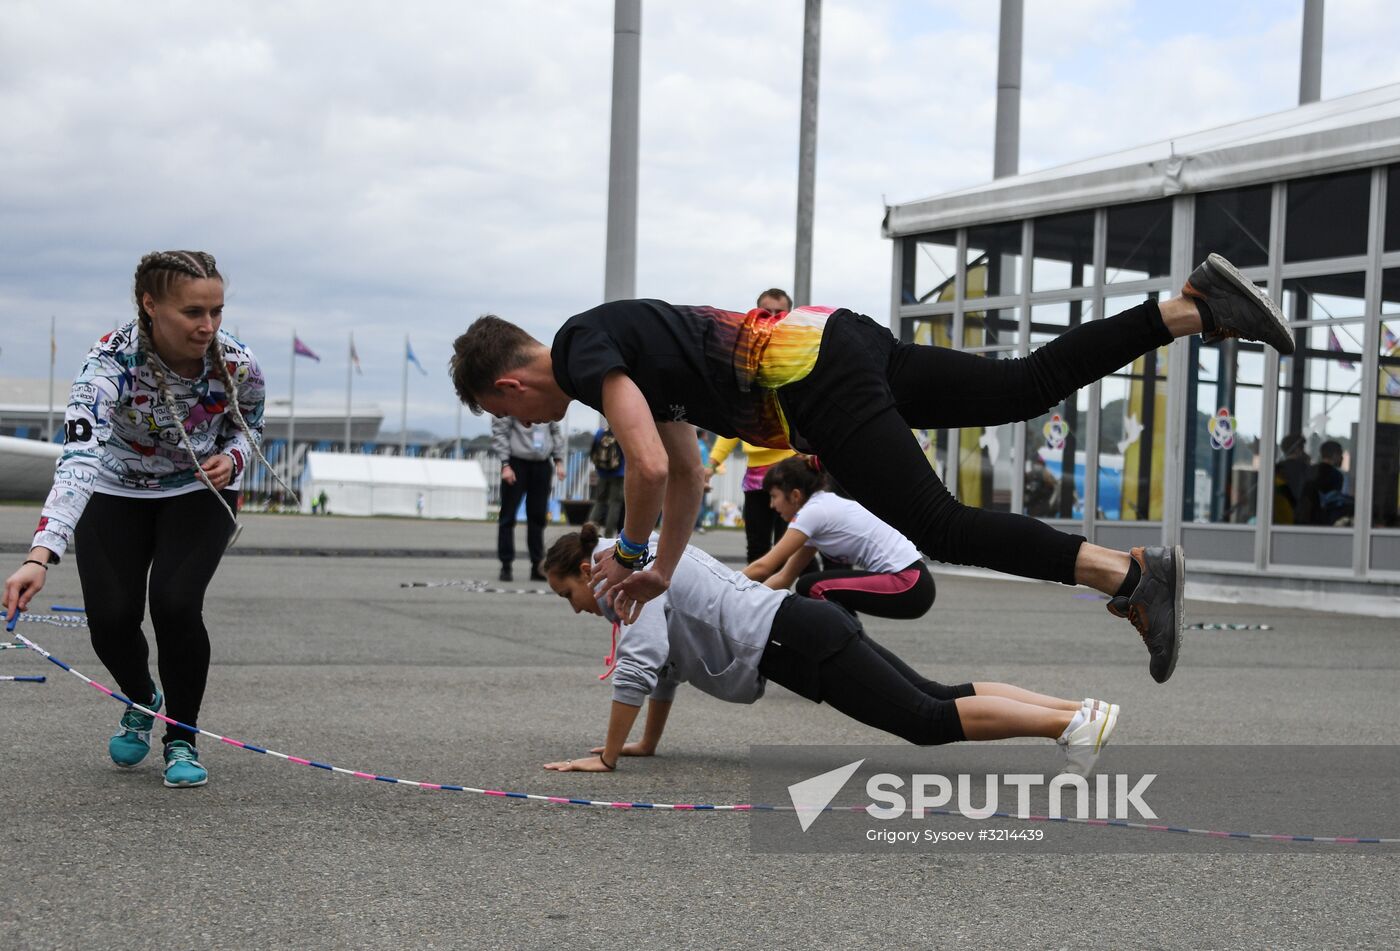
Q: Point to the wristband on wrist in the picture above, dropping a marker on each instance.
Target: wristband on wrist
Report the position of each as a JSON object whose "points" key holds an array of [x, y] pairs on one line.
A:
{"points": [[626, 544], [31, 561], [633, 561]]}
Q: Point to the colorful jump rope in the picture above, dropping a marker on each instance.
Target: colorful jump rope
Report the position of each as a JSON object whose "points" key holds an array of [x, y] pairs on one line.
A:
{"points": [[665, 806]]}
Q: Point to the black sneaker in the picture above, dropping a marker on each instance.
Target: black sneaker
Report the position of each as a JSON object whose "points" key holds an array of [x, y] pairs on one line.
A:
{"points": [[1157, 607], [1240, 309], [506, 573]]}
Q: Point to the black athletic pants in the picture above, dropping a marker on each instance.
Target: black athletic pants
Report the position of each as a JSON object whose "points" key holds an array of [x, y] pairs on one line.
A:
{"points": [[177, 541], [533, 480], [762, 527], [819, 651], [867, 390]]}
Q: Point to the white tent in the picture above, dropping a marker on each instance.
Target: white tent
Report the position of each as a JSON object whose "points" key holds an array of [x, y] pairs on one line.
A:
{"points": [[26, 467], [393, 485]]}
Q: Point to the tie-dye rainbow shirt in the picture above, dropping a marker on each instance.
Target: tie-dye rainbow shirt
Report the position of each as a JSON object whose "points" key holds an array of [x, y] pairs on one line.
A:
{"points": [[717, 369]]}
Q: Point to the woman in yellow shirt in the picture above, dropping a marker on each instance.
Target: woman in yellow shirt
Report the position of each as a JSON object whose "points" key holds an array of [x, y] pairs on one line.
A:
{"points": [[762, 526]]}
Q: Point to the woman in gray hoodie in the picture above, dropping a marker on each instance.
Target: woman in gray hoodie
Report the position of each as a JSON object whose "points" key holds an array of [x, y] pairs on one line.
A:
{"points": [[728, 635]]}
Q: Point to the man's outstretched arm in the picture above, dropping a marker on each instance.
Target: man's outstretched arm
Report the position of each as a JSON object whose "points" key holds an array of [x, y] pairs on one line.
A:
{"points": [[663, 466], [644, 483]]}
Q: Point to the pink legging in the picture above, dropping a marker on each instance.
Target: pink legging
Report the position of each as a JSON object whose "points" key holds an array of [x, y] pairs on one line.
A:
{"points": [[902, 595]]}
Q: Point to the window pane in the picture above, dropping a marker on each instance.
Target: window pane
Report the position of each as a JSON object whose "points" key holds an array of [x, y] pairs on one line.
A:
{"points": [[1132, 433], [985, 461], [1327, 216], [991, 328], [935, 444], [1064, 251], [1234, 223], [1319, 406], [1392, 209], [929, 263], [1330, 297], [931, 331], [1048, 321], [1055, 460], [994, 260], [1139, 241], [1225, 403], [1385, 506]]}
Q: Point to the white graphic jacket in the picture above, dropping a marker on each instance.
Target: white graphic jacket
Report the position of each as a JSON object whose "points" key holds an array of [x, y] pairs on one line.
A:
{"points": [[119, 437]]}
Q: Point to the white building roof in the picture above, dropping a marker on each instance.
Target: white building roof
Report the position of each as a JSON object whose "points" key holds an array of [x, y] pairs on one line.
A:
{"points": [[1333, 135]]}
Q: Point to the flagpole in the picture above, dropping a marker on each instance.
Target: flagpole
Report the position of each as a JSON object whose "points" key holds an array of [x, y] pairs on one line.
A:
{"points": [[53, 350], [403, 417], [292, 410], [349, 381]]}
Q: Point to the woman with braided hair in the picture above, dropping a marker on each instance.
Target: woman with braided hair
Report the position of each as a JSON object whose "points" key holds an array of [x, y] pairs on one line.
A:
{"points": [[162, 421]]}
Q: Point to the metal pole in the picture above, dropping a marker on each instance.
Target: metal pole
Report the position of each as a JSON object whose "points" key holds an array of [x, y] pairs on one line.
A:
{"points": [[1007, 150], [1310, 66], [807, 152], [292, 411], [403, 416], [620, 267], [53, 352], [349, 382]]}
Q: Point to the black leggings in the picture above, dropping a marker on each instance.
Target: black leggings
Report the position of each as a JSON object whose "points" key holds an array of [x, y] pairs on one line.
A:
{"points": [[819, 651], [178, 541], [902, 595], [887, 387]]}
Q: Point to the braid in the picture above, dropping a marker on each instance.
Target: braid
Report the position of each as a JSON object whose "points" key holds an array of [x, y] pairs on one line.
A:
{"points": [[158, 371], [216, 353]]}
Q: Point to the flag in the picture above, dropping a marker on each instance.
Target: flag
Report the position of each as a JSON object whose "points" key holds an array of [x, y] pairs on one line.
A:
{"points": [[355, 357], [1335, 346], [408, 352], [302, 350], [1392, 384], [1388, 340]]}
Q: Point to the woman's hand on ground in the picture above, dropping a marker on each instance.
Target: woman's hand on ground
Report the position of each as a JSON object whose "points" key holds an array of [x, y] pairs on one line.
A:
{"points": [[589, 764], [219, 469], [21, 586], [630, 749]]}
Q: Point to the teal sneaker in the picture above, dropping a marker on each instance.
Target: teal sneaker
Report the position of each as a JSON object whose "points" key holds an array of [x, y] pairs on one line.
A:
{"points": [[182, 766], [130, 744]]}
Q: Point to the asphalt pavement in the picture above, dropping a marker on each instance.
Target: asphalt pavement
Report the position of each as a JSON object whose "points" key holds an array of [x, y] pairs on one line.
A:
{"points": [[331, 659]]}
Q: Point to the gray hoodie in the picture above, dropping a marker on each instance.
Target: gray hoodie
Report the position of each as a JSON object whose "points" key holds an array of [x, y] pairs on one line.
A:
{"points": [[709, 630]]}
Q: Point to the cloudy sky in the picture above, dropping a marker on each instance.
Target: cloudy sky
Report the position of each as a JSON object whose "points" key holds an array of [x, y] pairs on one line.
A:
{"points": [[401, 168]]}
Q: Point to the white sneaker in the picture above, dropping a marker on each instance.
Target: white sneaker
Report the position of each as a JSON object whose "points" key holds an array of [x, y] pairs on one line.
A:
{"points": [[1087, 735]]}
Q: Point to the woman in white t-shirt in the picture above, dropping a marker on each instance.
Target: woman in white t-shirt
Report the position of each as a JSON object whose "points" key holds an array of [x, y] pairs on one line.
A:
{"points": [[887, 577]]}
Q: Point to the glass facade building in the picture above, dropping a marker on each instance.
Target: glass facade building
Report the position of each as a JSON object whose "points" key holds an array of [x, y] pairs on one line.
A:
{"points": [[1257, 464]]}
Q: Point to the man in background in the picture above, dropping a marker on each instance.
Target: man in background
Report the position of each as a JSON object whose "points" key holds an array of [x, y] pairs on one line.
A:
{"points": [[525, 452], [611, 467]]}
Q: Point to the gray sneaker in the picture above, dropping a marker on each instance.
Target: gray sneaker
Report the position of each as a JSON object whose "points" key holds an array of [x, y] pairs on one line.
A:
{"points": [[1240, 309], [1157, 607]]}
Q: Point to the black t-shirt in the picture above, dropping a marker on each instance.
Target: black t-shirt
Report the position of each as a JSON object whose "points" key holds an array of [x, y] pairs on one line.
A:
{"points": [[677, 356]]}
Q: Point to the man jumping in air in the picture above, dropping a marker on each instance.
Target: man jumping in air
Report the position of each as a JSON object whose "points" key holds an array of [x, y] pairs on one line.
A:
{"points": [[836, 384]]}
